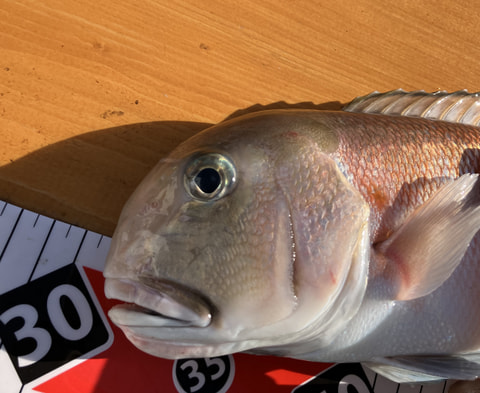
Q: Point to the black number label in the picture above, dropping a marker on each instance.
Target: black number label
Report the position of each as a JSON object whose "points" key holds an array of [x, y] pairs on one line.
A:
{"points": [[209, 375], [48, 322], [341, 378]]}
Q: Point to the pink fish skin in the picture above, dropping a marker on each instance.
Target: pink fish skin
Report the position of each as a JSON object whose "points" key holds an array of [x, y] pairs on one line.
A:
{"points": [[398, 162], [328, 236]]}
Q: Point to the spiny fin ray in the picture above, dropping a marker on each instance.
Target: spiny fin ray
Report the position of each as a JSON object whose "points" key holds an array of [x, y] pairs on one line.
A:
{"points": [[458, 107]]}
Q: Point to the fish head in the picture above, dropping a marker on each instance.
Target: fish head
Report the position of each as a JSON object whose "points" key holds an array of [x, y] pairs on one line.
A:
{"points": [[234, 243]]}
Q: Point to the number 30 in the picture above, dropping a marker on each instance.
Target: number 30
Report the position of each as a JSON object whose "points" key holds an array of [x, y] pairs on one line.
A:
{"points": [[43, 339]]}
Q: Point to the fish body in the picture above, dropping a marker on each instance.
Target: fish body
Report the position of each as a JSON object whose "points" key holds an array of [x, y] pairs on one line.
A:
{"points": [[328, 236]]}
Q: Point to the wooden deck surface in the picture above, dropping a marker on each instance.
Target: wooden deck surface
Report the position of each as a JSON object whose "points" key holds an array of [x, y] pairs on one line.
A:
{"points": [[94, 93]]}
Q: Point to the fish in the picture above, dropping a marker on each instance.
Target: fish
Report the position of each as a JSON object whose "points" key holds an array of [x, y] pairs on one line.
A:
{"points": [[329, 236]]}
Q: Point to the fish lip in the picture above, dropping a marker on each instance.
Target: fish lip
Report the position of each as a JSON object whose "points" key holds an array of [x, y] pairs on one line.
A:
{"points": [[156, 302]]}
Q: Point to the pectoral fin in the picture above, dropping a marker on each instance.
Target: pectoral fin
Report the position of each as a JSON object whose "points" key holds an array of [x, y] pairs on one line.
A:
{"points": [[423, 253], [401, 375], [425, 368]]}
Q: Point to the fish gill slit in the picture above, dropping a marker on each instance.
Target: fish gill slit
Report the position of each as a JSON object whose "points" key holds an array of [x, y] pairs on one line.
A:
{"points": [[293, 257]]}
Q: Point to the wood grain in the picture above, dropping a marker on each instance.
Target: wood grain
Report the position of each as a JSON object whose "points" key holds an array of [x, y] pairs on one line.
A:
{"points": [[93, 93]]}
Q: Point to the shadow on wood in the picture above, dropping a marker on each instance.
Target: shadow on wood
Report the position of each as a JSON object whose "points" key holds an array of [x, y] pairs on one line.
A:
{"points": [[85, 180]]}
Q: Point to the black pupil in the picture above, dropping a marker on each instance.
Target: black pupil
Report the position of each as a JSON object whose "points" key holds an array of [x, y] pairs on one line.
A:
{"points": [[208, 180]]}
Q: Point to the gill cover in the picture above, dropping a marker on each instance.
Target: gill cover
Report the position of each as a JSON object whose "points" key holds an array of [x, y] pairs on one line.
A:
{"points": [[329, 222]]}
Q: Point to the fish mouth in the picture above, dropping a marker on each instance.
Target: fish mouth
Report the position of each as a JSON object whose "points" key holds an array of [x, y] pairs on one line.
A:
{"points": [[152, 302]]}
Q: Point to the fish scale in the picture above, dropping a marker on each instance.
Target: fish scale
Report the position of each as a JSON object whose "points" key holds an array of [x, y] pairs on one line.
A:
{"points": [[395, 170]]}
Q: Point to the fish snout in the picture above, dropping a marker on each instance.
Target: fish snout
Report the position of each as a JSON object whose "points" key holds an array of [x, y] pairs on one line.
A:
{"points": [[153, 302]]}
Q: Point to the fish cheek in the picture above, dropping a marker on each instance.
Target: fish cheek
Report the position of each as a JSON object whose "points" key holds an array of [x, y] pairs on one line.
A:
{"points": [[228, 251]]}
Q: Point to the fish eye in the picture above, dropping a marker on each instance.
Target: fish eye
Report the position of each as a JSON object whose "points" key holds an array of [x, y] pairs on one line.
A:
{"points": [[209, 176]]}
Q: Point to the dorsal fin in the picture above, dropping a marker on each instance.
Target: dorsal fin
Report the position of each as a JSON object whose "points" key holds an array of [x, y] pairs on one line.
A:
{"points": [[458, 107]]}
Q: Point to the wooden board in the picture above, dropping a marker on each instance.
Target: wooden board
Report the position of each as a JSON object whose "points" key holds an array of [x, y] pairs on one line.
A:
{"points": [[93, 93]]}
